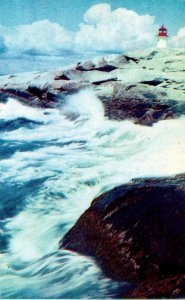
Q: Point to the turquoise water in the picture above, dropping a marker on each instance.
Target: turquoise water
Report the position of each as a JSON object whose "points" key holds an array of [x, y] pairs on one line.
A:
{"points": [[51, 168]]}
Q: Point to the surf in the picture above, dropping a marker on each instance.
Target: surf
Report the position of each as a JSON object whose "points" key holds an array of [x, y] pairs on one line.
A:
{"points": [[54, 166]]}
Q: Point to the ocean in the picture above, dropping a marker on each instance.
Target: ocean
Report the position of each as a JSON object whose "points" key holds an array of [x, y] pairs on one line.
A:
{"points": [[29, 63], [52, 167]]}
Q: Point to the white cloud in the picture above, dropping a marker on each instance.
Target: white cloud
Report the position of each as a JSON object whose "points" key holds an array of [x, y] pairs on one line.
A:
{"points": [[103, 29], [178, 41], [41, 37], [120, 29]]}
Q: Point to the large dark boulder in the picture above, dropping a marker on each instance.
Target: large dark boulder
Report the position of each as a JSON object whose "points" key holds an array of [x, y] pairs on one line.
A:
{"points": [[137, 233]]}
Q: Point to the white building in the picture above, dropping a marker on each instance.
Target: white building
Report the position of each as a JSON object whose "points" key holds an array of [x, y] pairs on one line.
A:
{"points": [[162, 37]]}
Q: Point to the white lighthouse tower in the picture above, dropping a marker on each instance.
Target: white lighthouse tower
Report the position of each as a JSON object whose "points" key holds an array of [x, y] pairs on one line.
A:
{"points": [[162, 37]]}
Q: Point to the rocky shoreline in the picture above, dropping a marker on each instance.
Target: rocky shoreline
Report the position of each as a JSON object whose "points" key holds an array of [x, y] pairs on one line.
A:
{"points": [[136, 233], [144, 87]]}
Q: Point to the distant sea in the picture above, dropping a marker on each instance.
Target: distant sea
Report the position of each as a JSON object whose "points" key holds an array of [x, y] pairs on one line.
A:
{"points": [[29, 63]]}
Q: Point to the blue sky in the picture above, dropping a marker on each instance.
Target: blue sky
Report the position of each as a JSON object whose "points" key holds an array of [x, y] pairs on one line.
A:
{"points": [[53, 27], [69, 13]]}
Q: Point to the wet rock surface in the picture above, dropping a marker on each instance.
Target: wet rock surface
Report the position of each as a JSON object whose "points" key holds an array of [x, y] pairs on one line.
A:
{"points": [[136, 233], [144, 87], [171, 287], [32, 96], [142, 105]]}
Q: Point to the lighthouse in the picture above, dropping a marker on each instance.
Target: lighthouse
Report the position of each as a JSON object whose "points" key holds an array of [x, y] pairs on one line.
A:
{"points": [[162, 37]]}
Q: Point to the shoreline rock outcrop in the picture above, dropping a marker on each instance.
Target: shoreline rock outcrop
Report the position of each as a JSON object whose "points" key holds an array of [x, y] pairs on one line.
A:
{"points": [[144, 87], [143, 105], [136, 232]]}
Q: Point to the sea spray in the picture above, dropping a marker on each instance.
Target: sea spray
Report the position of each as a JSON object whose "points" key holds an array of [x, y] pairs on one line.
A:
{"points": [[50, 174], [85, 106]]}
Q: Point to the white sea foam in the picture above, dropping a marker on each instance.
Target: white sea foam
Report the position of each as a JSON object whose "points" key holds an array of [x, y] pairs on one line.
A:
{"points": [[14, 109], [77, 159]]}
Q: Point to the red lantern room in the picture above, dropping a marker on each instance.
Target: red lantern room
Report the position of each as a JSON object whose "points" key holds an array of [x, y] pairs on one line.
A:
{"points": [[162, 31]]}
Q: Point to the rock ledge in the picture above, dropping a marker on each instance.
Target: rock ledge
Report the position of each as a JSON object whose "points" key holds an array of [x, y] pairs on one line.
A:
{"points": [[137, 233]]}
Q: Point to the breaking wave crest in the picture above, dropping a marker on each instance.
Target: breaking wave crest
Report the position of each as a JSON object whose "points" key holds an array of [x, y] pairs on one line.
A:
{"points": [[53, 164]]}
